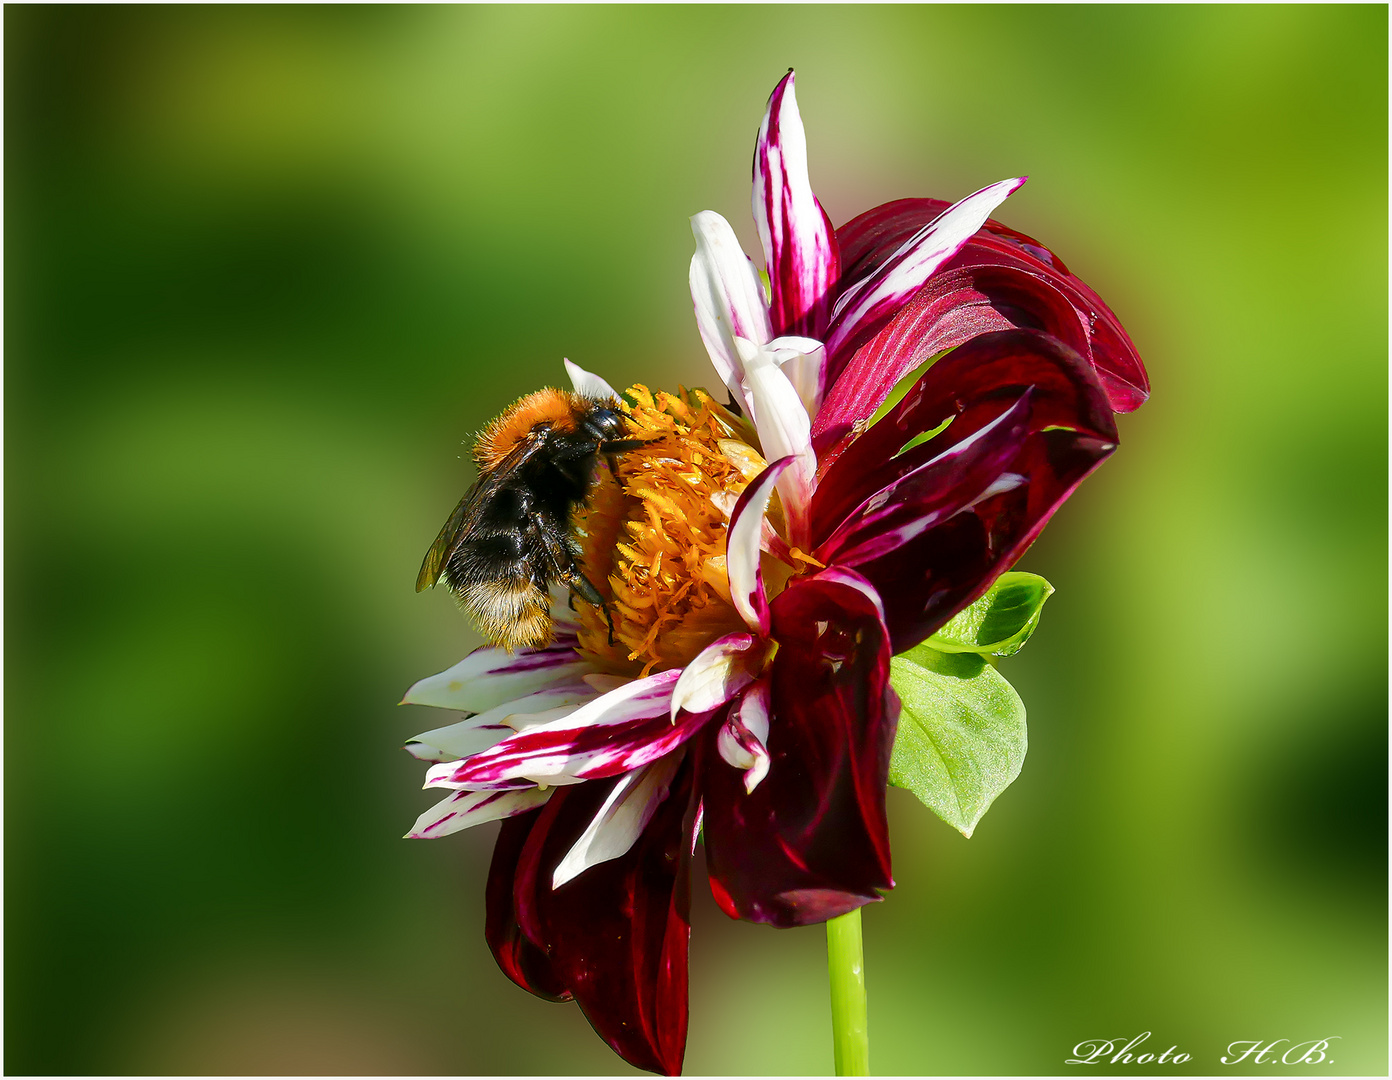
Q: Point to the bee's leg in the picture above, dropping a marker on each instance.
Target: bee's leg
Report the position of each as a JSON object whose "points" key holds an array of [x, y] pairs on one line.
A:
{"points": [[619, 446], [583, 586], [563, 559]]}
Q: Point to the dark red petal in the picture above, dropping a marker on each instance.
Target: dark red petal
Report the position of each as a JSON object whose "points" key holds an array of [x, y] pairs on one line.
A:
{"points": [[870, 239], [811, 841], [951, 309], [616, 936], [931, 493], [1069, 432], [973, 386], [521, 959]]}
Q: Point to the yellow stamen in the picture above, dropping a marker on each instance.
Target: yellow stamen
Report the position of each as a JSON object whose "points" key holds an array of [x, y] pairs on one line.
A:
{"points": [[653, 533]]}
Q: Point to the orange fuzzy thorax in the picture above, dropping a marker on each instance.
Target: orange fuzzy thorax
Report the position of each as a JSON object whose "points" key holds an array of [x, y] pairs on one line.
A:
{"points": [[546, 406], [653, 533]]}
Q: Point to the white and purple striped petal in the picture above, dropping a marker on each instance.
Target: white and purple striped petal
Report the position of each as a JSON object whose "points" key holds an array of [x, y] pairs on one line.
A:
{"points": [[620, 731], [463, 809], [587, 383], [621, 820], [464, 738], [728, 300], [490, 676], [715, 675], [904, 272], [742, 548], [743, 739], [478, 733], [799, 244]]}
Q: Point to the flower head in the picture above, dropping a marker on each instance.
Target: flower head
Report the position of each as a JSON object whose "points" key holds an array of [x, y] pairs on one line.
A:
{"points": [[761, 563]]}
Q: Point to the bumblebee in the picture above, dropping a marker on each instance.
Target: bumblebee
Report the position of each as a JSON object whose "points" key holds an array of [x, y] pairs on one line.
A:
{"points": [[510, 538]]}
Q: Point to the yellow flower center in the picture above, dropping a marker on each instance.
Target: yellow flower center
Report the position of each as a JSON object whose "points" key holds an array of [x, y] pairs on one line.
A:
{"points": [[653, 533]]}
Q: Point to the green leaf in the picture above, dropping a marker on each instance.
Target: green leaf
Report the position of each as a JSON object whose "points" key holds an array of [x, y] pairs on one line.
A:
{"points": [[961, 737], [1000, 622]]}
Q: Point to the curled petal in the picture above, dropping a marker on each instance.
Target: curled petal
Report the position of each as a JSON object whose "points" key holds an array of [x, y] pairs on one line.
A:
{"points": [[463, 809], [868, 240], [714, 676], [811, 841], [627, 810], [616, 936], [742, 548], [490, 676], [727, 298], [588, 383], [799, 243], [865, 307], [928, 577], [742, 740]]}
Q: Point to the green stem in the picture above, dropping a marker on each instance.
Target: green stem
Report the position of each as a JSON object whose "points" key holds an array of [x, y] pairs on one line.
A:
{"points": [[846, 969]]}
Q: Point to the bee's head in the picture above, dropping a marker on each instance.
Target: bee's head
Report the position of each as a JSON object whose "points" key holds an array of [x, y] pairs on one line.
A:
{"points": [[604, 423]]}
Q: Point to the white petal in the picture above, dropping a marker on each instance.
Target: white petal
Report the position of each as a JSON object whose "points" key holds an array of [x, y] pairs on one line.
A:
{"points": [[785, 430], [724, 501], [803, 361], [728, 299], [588, 384], [463, 809], [734, 755], [754, 710], [464, 738], [489, 676], [743, 739], [488, 728], [621, 820], [716, 674], [601, 683]]}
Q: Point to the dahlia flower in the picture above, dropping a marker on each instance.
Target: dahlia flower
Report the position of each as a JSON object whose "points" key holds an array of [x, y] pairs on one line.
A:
{"points": [[762, 562]]}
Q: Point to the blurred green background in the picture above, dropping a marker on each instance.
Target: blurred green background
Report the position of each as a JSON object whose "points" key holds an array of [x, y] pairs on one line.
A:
{"points": [[267, 268]]}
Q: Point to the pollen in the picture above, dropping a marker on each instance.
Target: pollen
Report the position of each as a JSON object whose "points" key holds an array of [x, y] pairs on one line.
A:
{"points": [[653, 533]]}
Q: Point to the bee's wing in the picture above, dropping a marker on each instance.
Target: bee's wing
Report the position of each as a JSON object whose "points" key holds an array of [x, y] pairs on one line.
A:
{"points": [[467, 513], [454, 529]]}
